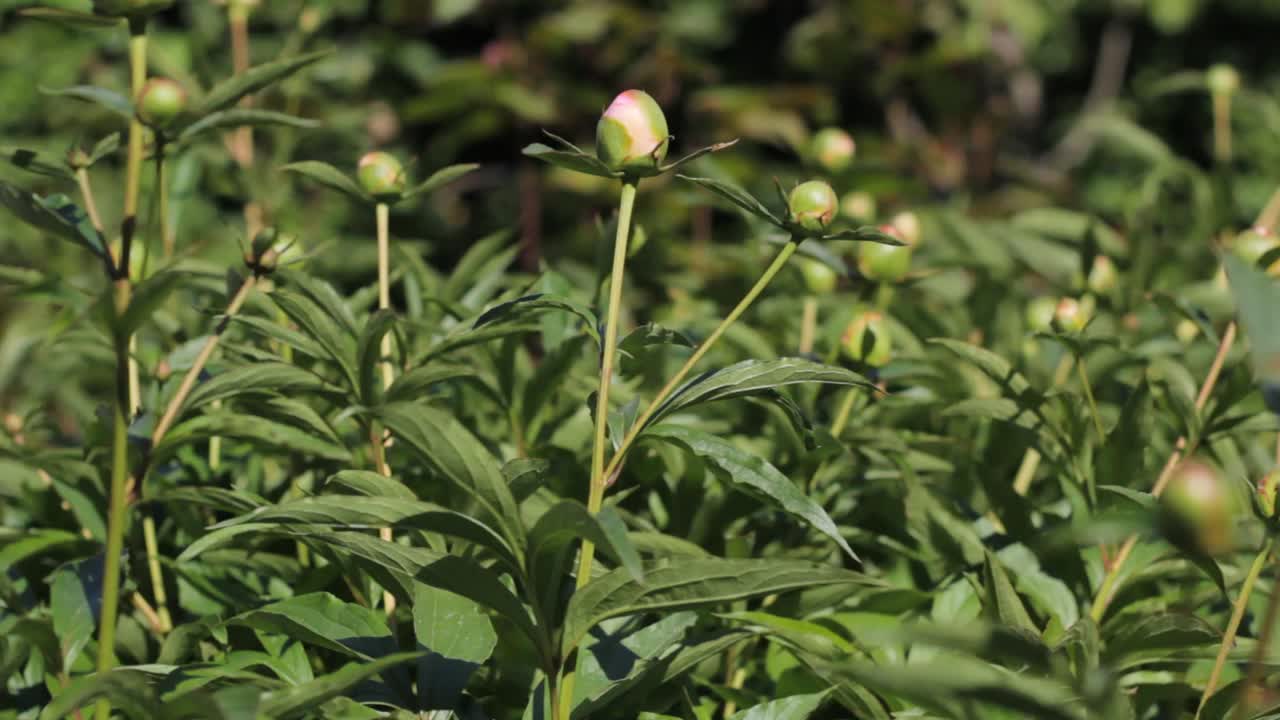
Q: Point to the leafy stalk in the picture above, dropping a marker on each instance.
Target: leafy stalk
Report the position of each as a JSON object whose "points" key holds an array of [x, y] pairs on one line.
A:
{"points": [[1233, 626], [654, 405]]}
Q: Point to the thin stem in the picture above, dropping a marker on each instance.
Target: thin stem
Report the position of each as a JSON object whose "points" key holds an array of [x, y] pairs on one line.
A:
{"points": [[118, 502], [1110, 582], [189, 380], [133, 168], [844, 412], [1093, 404], [90, 206], [384, 469], [163, 621], [654, 405], [1233, 626], [238, 24], [383, 213], [808, 324], [1031, 459], [563, 700], [1253, 679], [1222, 127]]}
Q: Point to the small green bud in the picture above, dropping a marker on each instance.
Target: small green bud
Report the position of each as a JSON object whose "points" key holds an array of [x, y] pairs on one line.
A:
{"points": [[819, 278], [813, 205], [866, 340], [1250, 245], [161, 101], [832, 149], [381, 175], [264, 252], [1102, 275], [1186, 331], [858, 206], [1040, 312], [908, 227], [1267, 487], [1222, 79], [77, 158], [1197, 509], [632, 133], [884, 263], [1071, 315], [128, 8]]}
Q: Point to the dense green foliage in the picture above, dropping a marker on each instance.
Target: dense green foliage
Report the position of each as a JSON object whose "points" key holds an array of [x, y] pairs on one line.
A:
{"points": [[380, 359]]}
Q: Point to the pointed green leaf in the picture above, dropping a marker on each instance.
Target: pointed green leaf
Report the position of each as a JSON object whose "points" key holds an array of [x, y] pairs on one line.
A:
{"points": [[440, 178], [459, 636], [109, 99], [331, 177], [570, 160], [738, 197], [242, 117], [34, 162], [56, 215], [796, 707], [231, 91], [323, 620], [297, 699]]}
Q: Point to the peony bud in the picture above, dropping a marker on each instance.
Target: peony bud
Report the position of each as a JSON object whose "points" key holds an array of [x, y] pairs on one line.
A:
{"points": [[884, 263], [858, 206], [908, 227], [1102, 275], [818, 277], [264, 252], [1186, 331], [632, 133], [866, 340], [832, 149], [127, 8], [1197, 508], [1222, 79], [161, 101], [1254, 243], [1040, 312], [381, 175], [813, 205], [1071, 315], [1267, 487]]}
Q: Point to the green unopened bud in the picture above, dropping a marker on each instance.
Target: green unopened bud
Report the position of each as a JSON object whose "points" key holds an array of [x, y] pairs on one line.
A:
{"points": [[813, 205], [78, 158], [884, 263], [129, 8], [819, 278], [832, 149], [1252, 244], [1222, 79], [1186, 331], [858, 206], [632, 133], [161, 102], [381, 175], [1071, 315], [866, 340], [1040, 312], [908, 227], [1102, 275], [1197, 509], [1267, 487], [264, 252]]}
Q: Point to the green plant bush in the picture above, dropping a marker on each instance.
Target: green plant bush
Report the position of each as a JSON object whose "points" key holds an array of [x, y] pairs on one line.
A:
{"points": [[332, 385]]}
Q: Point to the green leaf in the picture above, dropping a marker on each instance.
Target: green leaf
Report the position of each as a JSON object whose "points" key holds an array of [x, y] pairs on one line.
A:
{"points": [[369, 355], [323, 620], [440, 178], [867, 233], [248, 428], [522, 307], [692, 584], [1003, 603], [242, 117], [74, 601], [232, 90], [459, 636], [452, 451], [56, 215], [570, 160], [755, 377], [148, 296], [414, 384], [297, 699], [1256, 295], [331, 177], [755, 476], [366, 482], [796, 707], [621, 653], [717, 147], [738, 197], [258, 379], [129, 691], [320, 326], [73, 18], [109, 99], [34, 162]]}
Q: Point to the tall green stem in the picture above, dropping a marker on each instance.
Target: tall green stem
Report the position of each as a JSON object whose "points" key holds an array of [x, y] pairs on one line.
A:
{"points": [[1093, 404], [1233, 626], [162, 189], [133, 167], [562, 699], [383, 217], [654, 405]]}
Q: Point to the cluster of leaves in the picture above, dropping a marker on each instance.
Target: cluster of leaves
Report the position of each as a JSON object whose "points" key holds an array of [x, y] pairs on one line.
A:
{"points": [[789, 539]]}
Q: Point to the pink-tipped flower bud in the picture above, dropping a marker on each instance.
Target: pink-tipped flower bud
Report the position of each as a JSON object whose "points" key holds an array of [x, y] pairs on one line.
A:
{"points": [[819, 278], [1040, 312], [1197, 508], [866, 340], [813, 205], [381, 175], [885, 263], [832, 149], [632, 133], [908, 226], [1071, 315], [161, 102]]}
